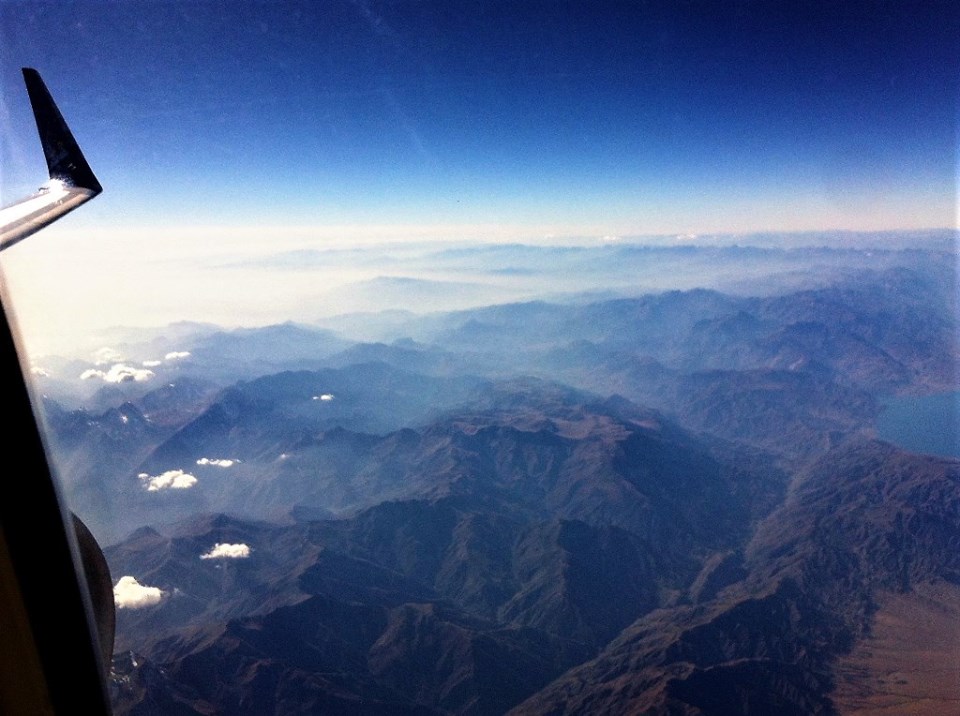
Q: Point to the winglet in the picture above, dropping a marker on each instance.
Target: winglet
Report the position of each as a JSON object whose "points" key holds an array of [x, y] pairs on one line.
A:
{"points": [[65, 161], [72, 182]]}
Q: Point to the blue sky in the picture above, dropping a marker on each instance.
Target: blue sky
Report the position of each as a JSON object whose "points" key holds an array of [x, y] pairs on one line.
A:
{"points": [[639, 116], [224, 132]]}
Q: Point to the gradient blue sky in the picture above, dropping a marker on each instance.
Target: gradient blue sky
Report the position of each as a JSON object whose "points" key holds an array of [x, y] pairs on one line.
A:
{"points": [[224, 132], [639, 117]]}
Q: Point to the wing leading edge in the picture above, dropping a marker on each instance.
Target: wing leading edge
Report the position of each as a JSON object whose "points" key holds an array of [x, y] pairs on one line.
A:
{"points": [[71, 182]]}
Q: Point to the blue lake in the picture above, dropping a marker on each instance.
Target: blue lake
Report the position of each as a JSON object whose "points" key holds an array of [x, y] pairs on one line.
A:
{"points": [[929, 424]]}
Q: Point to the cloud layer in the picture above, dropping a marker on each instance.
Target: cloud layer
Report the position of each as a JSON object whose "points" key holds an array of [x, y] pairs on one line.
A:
{"points": [[118, 373], [130, 594], [222, 550], [216, 462], [106, 355], [169, 480]]}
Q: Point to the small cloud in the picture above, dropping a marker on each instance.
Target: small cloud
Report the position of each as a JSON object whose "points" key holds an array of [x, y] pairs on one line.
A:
{"points": [[325, 397], [221, 550], [169, 480], [106, 355], [215, 462], [118, 373], [130, 594], [685, 237], [151, 363], [610, 237], [39, 372], [174, 355]]}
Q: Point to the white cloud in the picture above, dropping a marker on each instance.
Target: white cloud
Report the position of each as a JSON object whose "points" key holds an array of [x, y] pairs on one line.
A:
{"points": [[151, 363], [173, 355], [325, 397], [222, 550], [215, 462], [169, 480], [106, 355], [130, 594], [118, 373], [39, 372]]}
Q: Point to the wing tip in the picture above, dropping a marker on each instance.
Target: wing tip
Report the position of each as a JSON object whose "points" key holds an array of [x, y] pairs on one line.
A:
{"points": [[65, 160]]}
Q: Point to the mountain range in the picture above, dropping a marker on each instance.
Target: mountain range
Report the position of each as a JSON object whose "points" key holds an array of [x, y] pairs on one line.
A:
{"points": [[670, 503]]}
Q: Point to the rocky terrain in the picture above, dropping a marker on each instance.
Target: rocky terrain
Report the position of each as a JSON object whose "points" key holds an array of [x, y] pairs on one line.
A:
{"points": [[671, 503]]}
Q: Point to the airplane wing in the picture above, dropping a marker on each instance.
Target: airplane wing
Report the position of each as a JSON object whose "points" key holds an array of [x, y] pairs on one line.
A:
{"points": [[50, 649], [71, 181]]}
